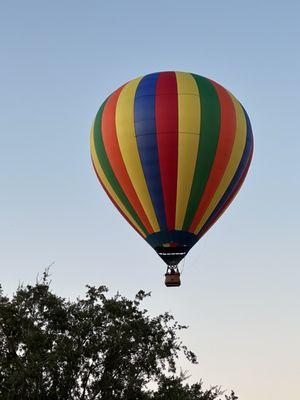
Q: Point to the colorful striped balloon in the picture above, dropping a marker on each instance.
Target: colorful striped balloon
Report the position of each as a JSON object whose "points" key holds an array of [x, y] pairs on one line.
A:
{"points": [[171, 150]]}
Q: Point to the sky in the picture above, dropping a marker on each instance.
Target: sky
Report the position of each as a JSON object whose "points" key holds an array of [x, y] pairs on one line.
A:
{"points": [[240, 293]]}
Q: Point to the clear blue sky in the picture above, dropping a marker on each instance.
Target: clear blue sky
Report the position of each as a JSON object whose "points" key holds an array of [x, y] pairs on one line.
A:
{"points": [[240, 293]]}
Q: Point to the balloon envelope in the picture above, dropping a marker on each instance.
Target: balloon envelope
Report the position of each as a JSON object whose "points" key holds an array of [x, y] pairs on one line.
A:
{"points": [[171, 150]]}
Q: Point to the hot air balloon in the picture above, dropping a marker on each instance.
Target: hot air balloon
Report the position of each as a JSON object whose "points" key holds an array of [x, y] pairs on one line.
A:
{"points": [[171, 150]]}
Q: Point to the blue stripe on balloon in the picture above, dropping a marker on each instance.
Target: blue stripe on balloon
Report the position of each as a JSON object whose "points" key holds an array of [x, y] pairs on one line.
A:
{"points": [[237, 176], [145, 130]]}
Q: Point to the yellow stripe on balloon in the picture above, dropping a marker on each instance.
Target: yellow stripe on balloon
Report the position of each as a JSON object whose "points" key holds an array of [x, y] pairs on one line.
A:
{"points": [[107, 185], [232, 166], [129, 150], [189, 115]]}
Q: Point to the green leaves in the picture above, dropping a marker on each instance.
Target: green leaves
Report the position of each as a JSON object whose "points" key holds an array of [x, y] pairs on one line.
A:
{"points": [[98, 347]]}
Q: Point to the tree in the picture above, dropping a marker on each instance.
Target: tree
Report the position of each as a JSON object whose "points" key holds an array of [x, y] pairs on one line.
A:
{"points": [[98, 347]]}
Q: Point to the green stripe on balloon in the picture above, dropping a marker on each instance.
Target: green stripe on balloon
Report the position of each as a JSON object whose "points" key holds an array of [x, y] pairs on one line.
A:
{"points": [[209, 135], [107, 169]]}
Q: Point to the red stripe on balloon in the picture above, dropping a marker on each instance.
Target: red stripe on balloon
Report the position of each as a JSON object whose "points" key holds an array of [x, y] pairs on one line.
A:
{"points": [[113, 201], [223, 152], [112, 148], [231, 198], [166, 113]]}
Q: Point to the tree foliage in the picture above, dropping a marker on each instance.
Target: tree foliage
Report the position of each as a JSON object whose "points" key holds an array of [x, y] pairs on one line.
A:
{"points": [[98, 347]]}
